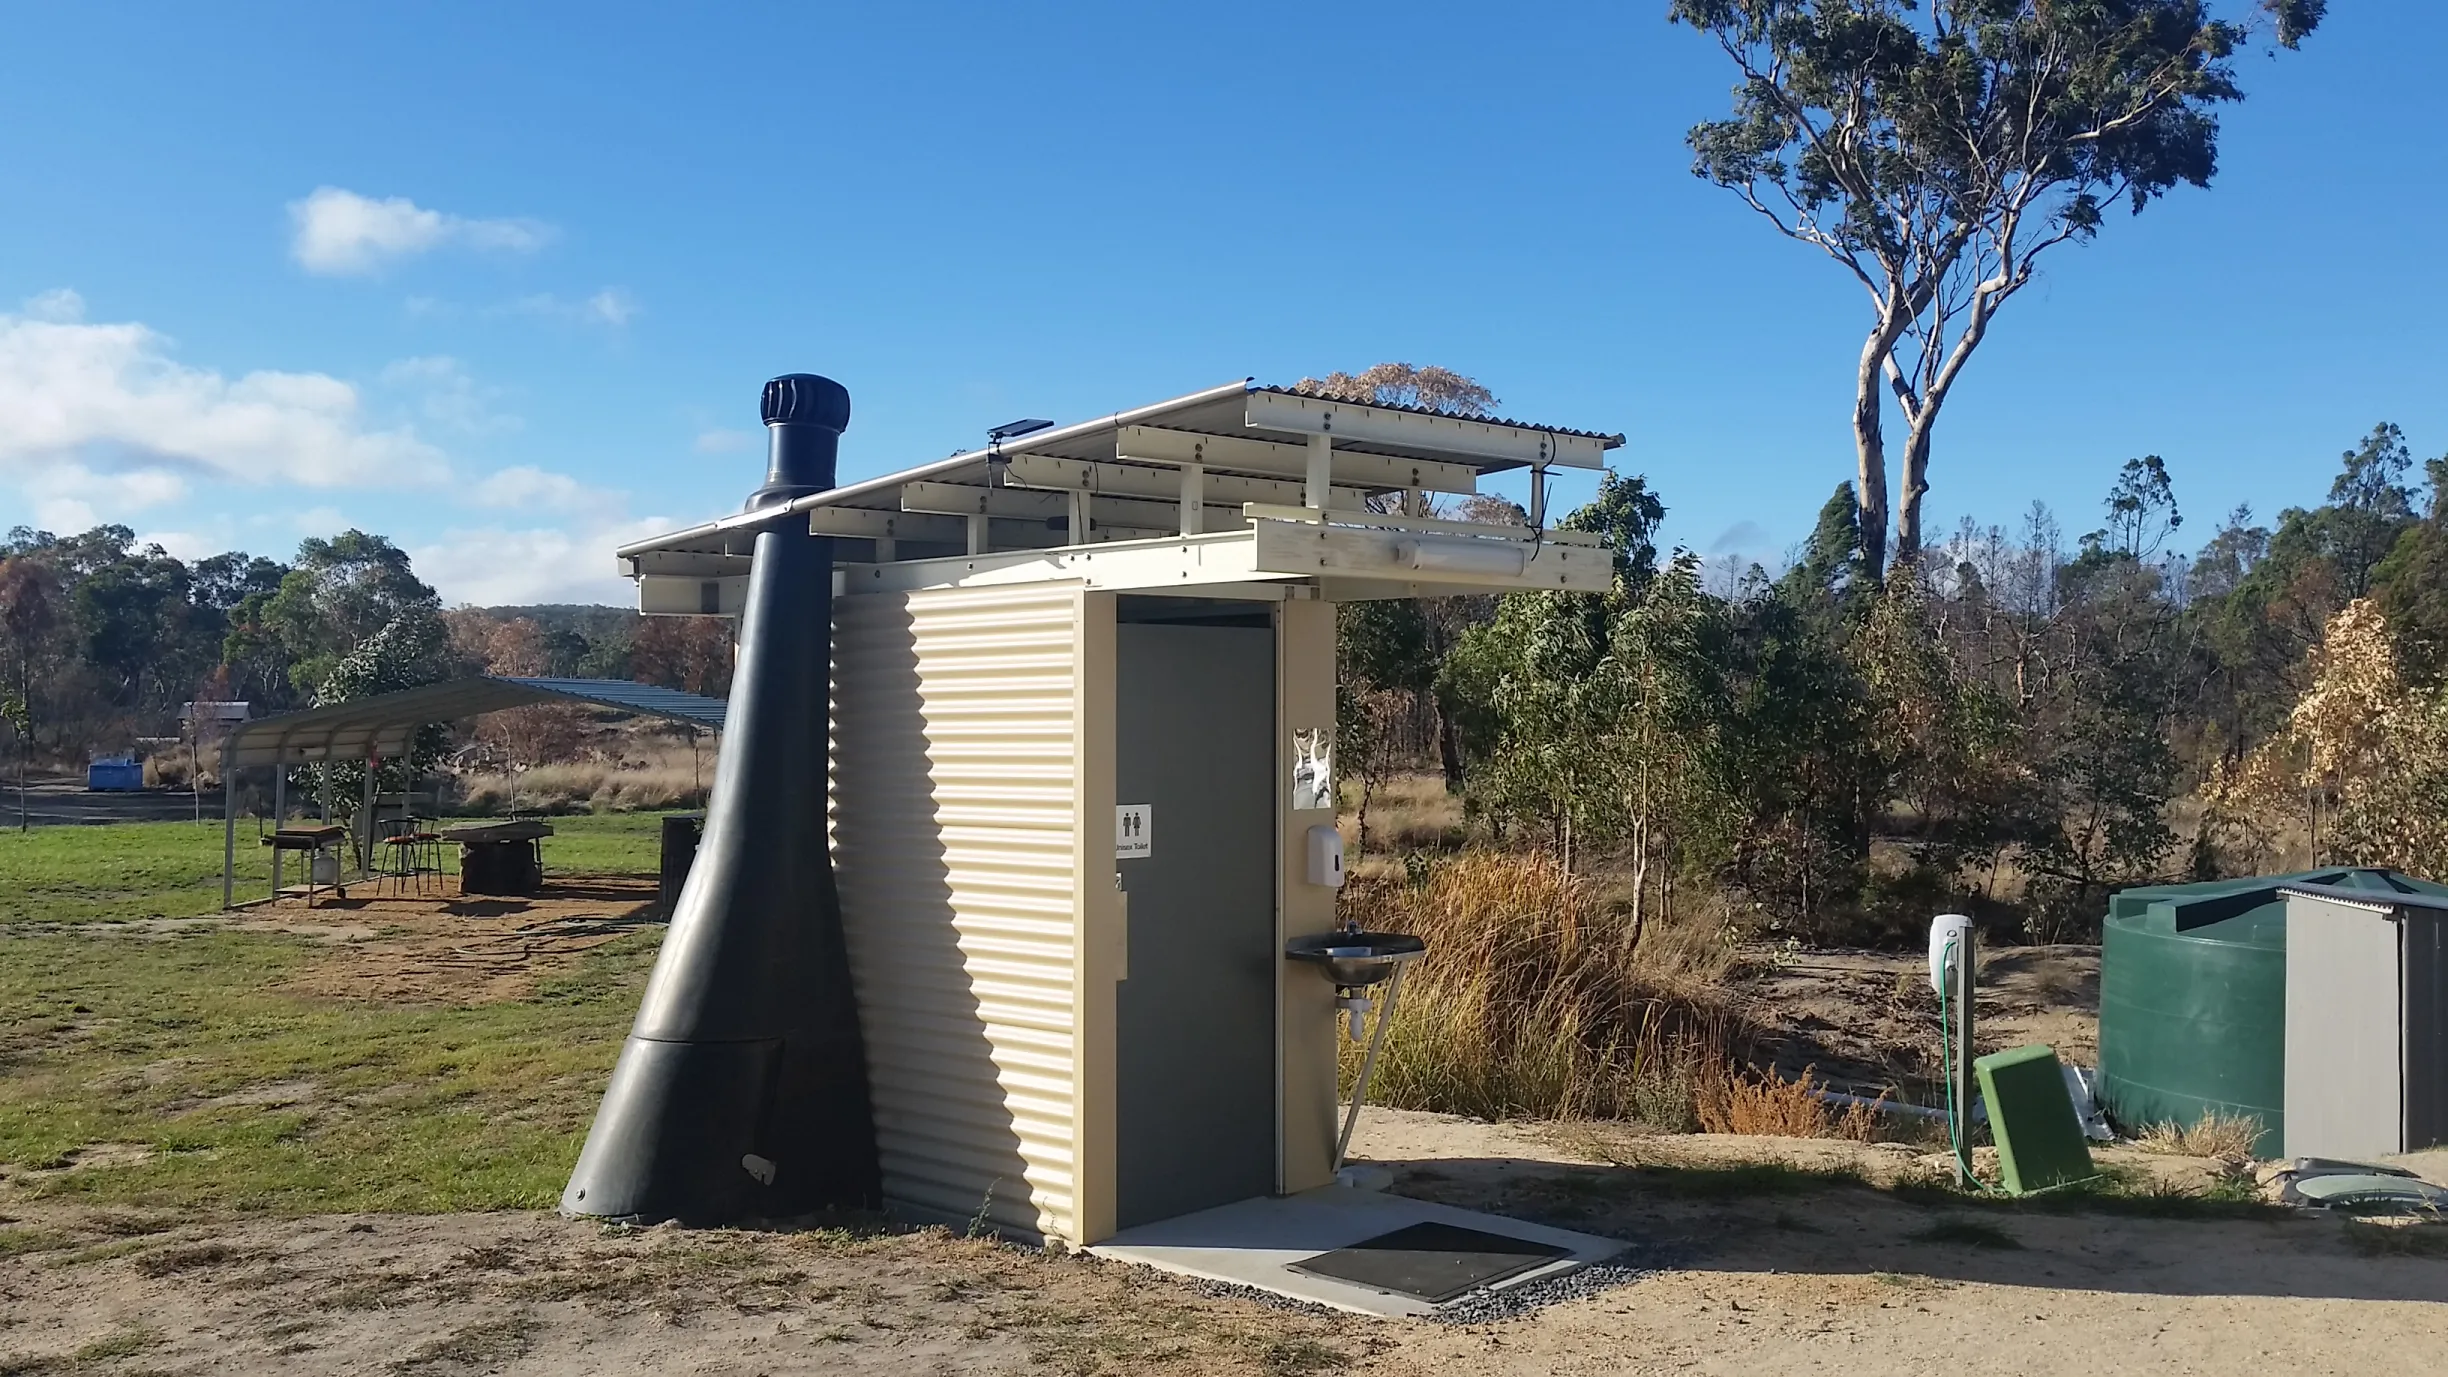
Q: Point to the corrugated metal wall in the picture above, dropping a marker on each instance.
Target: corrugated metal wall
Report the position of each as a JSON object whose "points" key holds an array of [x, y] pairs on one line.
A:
{"points": [[954, 730], [2344, 1070]]}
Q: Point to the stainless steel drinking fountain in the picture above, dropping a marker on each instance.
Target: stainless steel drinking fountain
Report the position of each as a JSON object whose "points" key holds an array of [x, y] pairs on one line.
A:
{"points": [[1358, 962]]}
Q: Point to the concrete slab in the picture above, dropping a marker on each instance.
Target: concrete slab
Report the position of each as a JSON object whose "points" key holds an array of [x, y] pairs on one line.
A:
{"points": [[1252, 1243]]}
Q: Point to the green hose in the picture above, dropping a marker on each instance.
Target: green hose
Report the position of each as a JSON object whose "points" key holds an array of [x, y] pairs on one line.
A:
{"points": [[1946, 1063]]}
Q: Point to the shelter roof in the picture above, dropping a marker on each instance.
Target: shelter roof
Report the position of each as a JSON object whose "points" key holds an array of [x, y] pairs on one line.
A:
{"points": [[1263, 417], [1219, 479], [386, 723]]}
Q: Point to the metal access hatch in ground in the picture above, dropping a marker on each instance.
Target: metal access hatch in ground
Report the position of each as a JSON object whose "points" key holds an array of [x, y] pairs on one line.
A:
{"points": [[1434, 1261], [1358, 1250]]}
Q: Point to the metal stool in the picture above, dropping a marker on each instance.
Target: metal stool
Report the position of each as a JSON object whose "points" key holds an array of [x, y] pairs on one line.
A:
{"points": [[414, 856]]}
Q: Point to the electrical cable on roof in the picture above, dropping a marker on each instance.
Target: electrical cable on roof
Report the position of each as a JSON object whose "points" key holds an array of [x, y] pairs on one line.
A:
{"points": [[1538, 496]]}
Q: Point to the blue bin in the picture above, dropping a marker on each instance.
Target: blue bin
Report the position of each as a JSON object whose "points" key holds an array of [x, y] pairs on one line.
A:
{"points": [[115, 776]]}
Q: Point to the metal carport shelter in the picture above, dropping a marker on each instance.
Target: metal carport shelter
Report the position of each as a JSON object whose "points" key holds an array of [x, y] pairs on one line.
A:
{"points": [[383, 726]]}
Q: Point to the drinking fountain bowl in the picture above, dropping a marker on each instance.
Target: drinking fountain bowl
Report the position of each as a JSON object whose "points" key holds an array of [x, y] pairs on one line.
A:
{"points": [[1356, 958]]}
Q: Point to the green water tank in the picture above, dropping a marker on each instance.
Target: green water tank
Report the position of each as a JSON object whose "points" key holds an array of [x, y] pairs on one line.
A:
{"points": [[2193, 999]]}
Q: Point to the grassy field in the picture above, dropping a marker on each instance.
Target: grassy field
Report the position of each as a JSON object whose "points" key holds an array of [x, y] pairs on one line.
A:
{"points": [[171, 1070], [204, 1067], [173, 869], [167, 1072]]}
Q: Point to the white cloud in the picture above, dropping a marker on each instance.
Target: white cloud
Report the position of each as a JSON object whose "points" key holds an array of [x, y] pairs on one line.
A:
{"points": [[496, 566], [65, 515], [59, 305], [190, 545], [447, 395], [64, 494], [315, 521], [719, 441], [102, 422], [339, 232], [612, 308], [528, 486], [110, 400]]}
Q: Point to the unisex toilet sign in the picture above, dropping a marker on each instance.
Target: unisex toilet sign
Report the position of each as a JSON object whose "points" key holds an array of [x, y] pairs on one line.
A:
{"points": [[1133, 835]]}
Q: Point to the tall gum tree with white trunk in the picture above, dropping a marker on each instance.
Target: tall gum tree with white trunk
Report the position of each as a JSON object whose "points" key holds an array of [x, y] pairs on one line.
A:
{"points": [[1935, 149]]}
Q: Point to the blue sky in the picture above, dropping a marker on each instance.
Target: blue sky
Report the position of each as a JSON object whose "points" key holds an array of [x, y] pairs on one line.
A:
{"points": [[503, 281]]}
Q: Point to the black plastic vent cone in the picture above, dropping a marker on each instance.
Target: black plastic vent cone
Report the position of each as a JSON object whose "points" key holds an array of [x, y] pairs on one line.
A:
{"points": [[741, 1092]]}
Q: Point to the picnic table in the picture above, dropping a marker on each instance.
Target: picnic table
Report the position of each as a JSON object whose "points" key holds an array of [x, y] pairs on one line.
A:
{"points": [[500, 857]]}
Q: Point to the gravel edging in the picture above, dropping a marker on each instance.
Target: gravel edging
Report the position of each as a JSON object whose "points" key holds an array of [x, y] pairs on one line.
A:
{"points": [[1490, 1304]]}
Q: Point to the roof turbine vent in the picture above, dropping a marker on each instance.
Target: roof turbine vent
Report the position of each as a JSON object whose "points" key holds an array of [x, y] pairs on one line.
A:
{"points": [[804, 418], [807, 399]]}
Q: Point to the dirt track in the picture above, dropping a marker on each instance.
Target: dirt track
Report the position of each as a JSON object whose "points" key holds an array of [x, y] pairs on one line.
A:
{"points": [[461, 950], [438, 949], [1835, 1282]]}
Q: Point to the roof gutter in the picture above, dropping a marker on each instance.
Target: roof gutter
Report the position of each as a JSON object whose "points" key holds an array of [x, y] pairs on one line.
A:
{"points": [[750, 522]]}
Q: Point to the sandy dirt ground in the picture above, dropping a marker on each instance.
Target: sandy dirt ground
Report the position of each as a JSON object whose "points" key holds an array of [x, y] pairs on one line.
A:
{"points": [[437, 949], [1863, 1018], [1747, 1274], [1755, 1279]]}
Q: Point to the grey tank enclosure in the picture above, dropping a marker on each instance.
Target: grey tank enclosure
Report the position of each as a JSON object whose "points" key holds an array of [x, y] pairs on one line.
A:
{"points": [[741, 1091], [2193, 998]]}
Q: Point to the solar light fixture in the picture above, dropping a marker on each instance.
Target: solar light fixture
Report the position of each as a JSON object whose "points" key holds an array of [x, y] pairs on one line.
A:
{"points": [[996, 435]]}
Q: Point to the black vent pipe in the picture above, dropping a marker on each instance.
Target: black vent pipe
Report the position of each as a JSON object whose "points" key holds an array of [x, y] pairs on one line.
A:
{"points": [[742, 1090]]}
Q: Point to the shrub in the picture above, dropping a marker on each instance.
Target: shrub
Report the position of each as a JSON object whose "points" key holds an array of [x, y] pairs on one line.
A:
{"points": [[1764, 1103], [2213, 1135], [1534, 1001]]}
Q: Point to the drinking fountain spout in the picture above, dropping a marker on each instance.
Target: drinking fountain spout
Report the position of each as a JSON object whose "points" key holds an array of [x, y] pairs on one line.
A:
{"points": [[1357, 962]]}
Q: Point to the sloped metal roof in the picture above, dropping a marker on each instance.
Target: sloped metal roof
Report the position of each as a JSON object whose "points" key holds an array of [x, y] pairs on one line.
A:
{"points": [[1612, 440], [628, 695], [1224, 411], [385, 724]]}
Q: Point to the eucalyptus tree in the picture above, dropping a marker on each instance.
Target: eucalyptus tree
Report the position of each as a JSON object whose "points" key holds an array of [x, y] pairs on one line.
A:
{"points": [[29, 606], [1936, 151], [1427, 387], [1667, 649]]}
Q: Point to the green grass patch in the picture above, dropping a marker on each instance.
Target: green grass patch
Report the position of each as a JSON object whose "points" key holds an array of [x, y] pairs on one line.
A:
{"points": [[173, 869], [132, 1062], [19, 1242]]}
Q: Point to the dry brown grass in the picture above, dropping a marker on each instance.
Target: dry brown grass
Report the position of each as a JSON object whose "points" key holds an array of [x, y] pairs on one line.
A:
{"points": [[1412, 813], [1535, 1002], [659, 780], [1766, 1104], [2214, 1135]]}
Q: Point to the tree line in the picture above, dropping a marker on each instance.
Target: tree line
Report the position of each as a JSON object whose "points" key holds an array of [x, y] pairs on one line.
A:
{"points": [[2014, 724], [107, 638]]}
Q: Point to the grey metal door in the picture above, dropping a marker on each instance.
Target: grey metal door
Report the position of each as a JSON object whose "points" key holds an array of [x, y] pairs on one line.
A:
{"points": [[1194, 741], [2344, 1031]]}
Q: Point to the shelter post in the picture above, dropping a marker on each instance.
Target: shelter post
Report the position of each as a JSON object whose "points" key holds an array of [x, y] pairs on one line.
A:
{"points": [[280, 806], [365, 820], [229, 830]]}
